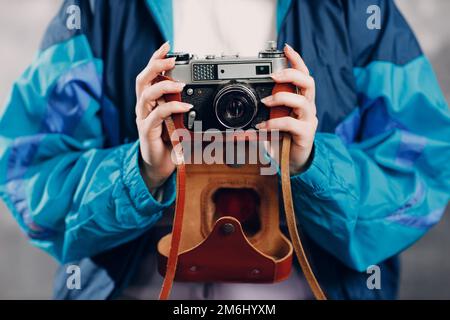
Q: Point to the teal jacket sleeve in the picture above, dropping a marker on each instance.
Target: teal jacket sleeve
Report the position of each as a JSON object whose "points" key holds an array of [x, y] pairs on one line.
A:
{"points": [[382, 179], [71, 195]]}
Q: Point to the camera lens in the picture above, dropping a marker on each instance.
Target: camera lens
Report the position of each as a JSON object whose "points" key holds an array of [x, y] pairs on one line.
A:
{"points": [[235, 106], [234, 109]]}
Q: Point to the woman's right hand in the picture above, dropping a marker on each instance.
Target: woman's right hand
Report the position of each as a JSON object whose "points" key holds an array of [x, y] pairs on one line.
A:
{"points": [[156, 164]]}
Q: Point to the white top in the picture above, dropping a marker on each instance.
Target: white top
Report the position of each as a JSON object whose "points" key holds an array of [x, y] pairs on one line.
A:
{"points": [[223, 26]]}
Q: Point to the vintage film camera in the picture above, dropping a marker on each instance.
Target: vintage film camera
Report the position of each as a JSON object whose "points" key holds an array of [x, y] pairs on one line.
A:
{"points": [[226, 90]]}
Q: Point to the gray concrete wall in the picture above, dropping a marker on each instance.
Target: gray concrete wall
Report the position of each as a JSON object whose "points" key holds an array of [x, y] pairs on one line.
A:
{"points": [[26, 272]]}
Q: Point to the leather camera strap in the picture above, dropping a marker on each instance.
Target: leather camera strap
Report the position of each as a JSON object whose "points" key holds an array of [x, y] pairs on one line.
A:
{"points": [[178, 216], [291, 222]]}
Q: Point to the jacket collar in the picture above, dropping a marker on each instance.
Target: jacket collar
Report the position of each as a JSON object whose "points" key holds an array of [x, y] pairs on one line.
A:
{"points": [[162, 12], [282, 10]]}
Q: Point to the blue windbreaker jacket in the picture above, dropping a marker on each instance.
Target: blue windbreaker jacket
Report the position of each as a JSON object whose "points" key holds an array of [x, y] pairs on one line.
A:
{"points": [[379, 178]]}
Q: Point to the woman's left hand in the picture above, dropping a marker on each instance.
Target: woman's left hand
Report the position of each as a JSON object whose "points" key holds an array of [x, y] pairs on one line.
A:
{"points": [[302, 123]]}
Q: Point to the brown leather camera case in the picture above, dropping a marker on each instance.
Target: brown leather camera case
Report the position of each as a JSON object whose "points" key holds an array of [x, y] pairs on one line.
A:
{"points": [[217, 249]]}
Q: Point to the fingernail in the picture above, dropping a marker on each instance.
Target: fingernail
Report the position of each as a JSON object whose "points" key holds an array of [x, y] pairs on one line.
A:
{"points": [[267, 99], [189, 106], [261, 125], [163, 46], [180, 84], [276, 74], [287, 46]]}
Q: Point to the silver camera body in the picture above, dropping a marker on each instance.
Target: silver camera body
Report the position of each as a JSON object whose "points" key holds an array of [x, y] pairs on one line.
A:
{"points": [[226, 91]]}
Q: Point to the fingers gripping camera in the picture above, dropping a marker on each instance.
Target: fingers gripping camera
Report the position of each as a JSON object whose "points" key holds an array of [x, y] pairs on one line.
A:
{"points": [[226, 91]]}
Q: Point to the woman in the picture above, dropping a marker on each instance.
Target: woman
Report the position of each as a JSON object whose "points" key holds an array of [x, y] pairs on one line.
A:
{"points": [[86, 174]]}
